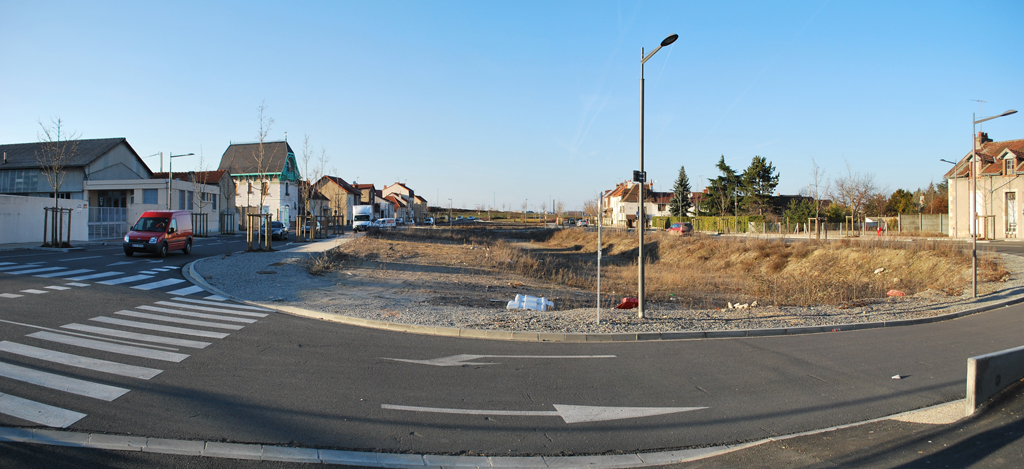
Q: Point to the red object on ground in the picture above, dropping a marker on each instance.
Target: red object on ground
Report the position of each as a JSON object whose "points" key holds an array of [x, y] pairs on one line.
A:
{"points": [[879, 230], [896, 293], [628, 303]]}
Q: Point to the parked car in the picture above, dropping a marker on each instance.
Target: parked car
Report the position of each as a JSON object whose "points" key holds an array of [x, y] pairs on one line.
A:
{"points": [[399, 221], [681, 228], [582, 222], [278, 230], [472, 218], [160, 231], [384, 223], [429, 221], [308, 226]]}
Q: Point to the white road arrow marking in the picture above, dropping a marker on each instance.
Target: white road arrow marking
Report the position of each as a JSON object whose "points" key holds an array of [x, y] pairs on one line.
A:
{"points": [[466, 359], [569, 413]]}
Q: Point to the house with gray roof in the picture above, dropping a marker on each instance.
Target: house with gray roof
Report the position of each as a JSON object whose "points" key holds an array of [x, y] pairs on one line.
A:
{"points": [[266, 171]]}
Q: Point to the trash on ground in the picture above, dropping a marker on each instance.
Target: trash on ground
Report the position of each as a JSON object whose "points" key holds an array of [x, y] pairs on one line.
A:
{"points": [[628, 302], [880, 270], [895, 293], [897, 377], [530, 302]]}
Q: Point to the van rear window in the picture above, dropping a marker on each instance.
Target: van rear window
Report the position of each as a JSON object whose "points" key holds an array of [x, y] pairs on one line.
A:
{"points": [[151, 224]]}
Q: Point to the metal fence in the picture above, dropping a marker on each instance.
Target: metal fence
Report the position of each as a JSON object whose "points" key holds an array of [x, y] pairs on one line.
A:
{"points": [[107, 222]]}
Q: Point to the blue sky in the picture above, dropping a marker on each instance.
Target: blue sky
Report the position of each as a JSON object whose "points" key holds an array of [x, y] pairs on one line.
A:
{"points": [[500, 102]]}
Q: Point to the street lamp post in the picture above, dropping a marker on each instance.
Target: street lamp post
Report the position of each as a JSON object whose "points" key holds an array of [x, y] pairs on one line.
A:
{"points": [[975, 168], [170, 173], [643, 177], [449, 213]]}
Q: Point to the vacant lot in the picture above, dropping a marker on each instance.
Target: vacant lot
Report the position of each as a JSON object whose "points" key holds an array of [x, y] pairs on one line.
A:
{"points": [[486, 267]]}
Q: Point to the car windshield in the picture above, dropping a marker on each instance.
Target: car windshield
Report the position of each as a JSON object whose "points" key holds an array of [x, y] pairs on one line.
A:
{"points": [[276, 224], [151, 224], [362, 218], [677, 225]]}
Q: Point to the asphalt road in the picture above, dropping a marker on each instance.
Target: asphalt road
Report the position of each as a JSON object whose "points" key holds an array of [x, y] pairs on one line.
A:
{"points": [[292, 381]]}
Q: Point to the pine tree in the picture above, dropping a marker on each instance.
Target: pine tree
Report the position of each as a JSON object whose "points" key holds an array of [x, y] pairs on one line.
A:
{"points": [[759, 181], [680, 203]]}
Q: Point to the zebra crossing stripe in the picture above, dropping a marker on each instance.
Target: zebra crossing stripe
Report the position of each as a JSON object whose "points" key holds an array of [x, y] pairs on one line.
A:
{"points": [[10, 295], [74, 284], [76, 361], [148, 272], [67, 384], [118, 281], [6, 263], [99, 275], [221, 303], [157, 339], [160, 327], [58, 287], [110, 347], [186, 290], [213, 310], [157, 317], [32, 271], [216, 298], [34, 291], [196, 315], [36, 412], [12, 267], [160, 284], [64, 273]]}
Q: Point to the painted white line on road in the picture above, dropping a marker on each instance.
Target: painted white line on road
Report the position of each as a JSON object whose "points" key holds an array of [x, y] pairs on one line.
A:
{"points": [[156, 339], [569, 413], [118, 281], [99, 275], [10, 295], [172, 266], [36, 412], [6, 263], [74, 284], [32, 271], [221, 303], [216, 298], [12, 267], [466, 359], [58, 287], [196, 315], [190, 322], [34, 292], [121, 263], [64, 273], [77, 361], [67, 384], [110, 347], [160, 284], [78, 258], [150, 272], [160, 327], [186, 290], [213, 310]]}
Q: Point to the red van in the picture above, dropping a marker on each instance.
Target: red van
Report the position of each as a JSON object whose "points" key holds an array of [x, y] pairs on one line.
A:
{"points": [[160, 231]]}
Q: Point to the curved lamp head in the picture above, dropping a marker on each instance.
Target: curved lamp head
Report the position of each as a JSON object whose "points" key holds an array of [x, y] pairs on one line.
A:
{"points": [[669, 40]]}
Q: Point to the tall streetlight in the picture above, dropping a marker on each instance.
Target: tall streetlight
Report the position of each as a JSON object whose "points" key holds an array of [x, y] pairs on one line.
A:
{"points": [[449, 213], [975, 168], [641, 176], [170, 173]]}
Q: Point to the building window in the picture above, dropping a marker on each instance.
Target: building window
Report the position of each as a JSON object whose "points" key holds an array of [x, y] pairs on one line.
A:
{"points": [[286, 189], [181, 200], [250, 186], [149, 196], [215, 202], [189, 198]]}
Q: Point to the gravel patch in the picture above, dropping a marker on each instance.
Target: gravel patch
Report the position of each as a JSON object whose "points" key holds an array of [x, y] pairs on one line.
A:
{"points": [[279, 278]]}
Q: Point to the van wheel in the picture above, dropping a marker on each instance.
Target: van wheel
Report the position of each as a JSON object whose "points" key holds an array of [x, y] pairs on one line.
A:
{"points": [[163, 250], [188, 247], [128, 252]]}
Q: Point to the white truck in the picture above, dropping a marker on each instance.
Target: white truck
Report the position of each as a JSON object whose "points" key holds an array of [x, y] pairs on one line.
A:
{"points": [[362, 217]]}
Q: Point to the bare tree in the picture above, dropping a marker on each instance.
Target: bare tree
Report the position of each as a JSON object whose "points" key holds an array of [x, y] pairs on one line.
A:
{"points": [[525, 206], [819, 185], [57, 148], [559, 208], [854, 190], [199, 179], [313, 174], [259, 154]]}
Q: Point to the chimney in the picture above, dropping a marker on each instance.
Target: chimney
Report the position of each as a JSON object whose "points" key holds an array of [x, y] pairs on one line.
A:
{"points": [[981, 140]]}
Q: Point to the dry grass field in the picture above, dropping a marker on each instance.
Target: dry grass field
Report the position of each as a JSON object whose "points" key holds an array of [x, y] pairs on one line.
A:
{"points": [[686, 272]]}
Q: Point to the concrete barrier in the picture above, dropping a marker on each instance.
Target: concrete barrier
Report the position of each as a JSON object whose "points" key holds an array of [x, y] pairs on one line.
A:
{"points": [[990, 373]]}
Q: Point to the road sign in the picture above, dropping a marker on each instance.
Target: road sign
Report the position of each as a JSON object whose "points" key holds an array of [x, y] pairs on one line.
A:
{"points": [[466, 359], [640, 176], [568, 413]]}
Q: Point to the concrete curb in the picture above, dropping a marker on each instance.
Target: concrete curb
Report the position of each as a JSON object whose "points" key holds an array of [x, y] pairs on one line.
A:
{"points": [[194, 277], [258, 452]]}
